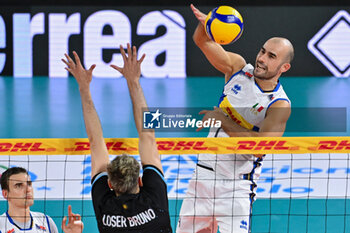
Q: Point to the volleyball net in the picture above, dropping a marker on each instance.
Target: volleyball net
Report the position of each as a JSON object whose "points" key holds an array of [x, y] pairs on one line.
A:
{"points": [[303, 187]]}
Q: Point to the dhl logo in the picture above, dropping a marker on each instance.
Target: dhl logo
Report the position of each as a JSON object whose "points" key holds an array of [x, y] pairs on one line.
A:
{"points": [[183, 145], [331, 145], [114, 146], [281, 146], [262, 145], [20, 146]]}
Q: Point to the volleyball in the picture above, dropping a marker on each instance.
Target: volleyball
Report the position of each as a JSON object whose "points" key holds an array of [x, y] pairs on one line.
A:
{"points": [[224, 25]]}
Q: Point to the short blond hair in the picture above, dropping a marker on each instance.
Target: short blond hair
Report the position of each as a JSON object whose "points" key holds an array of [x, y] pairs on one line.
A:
{"points": [[123, 173]]}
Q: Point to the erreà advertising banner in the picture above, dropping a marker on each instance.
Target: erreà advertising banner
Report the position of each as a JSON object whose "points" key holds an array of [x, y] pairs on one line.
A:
{"points": [[34, 39]]}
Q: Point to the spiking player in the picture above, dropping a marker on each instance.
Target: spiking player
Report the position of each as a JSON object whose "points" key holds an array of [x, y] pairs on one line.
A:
{"points": [[253, 103]]}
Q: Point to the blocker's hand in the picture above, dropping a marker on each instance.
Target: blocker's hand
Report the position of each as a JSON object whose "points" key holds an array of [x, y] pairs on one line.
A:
{"points": [[82, 75], [199, 15], [132, 67]]}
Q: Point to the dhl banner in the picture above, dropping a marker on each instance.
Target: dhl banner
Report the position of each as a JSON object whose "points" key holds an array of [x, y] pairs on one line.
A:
{"points": [[239, 145], [313, 175], [304, 167]]}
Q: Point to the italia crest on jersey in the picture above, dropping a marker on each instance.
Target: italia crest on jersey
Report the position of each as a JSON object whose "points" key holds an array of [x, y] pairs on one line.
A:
{"points": [[256, 108]]}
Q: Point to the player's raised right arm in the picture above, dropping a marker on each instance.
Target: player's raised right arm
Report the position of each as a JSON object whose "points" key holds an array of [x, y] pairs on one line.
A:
{"points": [[225, 62]]}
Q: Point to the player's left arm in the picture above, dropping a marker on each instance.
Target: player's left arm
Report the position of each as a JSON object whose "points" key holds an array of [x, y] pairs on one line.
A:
{"points": [[132, 71], [276, 119], [273, 125]]}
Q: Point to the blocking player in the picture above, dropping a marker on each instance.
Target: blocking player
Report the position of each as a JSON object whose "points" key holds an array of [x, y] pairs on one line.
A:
{"points": [[17, 189], [122, 201], [253, 103]]}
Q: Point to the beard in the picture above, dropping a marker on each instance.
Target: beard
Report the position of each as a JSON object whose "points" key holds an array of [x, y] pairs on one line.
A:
{"points": [[266, 74]]}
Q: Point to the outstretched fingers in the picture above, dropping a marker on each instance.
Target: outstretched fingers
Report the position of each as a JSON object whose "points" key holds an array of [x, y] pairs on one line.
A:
{"points": [[120, 69], [63, 224], [131, 63], [195, 11], [193, 8], [141, 59], [203, 112], [122, 51], [92, 67], [70, 210], [72, 216], [67, 64], [199, 15], [70, 60], [128, 48], [77, 59], [134, 53]]}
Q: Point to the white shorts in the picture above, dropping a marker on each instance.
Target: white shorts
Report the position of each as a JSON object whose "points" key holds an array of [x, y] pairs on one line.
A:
{"points": [[213, 201]]}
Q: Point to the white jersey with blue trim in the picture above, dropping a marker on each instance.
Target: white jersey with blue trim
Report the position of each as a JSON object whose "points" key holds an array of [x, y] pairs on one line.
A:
{"points": [[246, 104], [39, 223]]}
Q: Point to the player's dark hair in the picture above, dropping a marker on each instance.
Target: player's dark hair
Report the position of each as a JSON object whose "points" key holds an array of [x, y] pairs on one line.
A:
{"points": [[8, 173], [123, 173]]}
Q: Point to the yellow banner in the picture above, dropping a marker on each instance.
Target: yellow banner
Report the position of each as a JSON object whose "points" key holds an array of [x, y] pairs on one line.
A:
{"points": [[239, 145]]}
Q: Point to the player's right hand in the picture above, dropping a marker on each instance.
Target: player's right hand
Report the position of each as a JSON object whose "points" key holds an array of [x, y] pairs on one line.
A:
{"points": [[82, 75], [75, 225], [199, 15]]}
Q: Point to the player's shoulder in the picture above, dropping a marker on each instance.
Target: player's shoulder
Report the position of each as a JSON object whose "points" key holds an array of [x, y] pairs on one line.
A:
{"points": [[248, 70], [41, 220], [3, 219], [153, 177], [281, 103], [40, 215], [237, 62], [153, 170], [244, 74], [280, 98], [98, 177]]}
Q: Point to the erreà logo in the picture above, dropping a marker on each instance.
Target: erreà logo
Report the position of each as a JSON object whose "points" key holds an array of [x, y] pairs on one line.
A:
{"points": [[331, 45], [236, 88], [244, 225]]}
